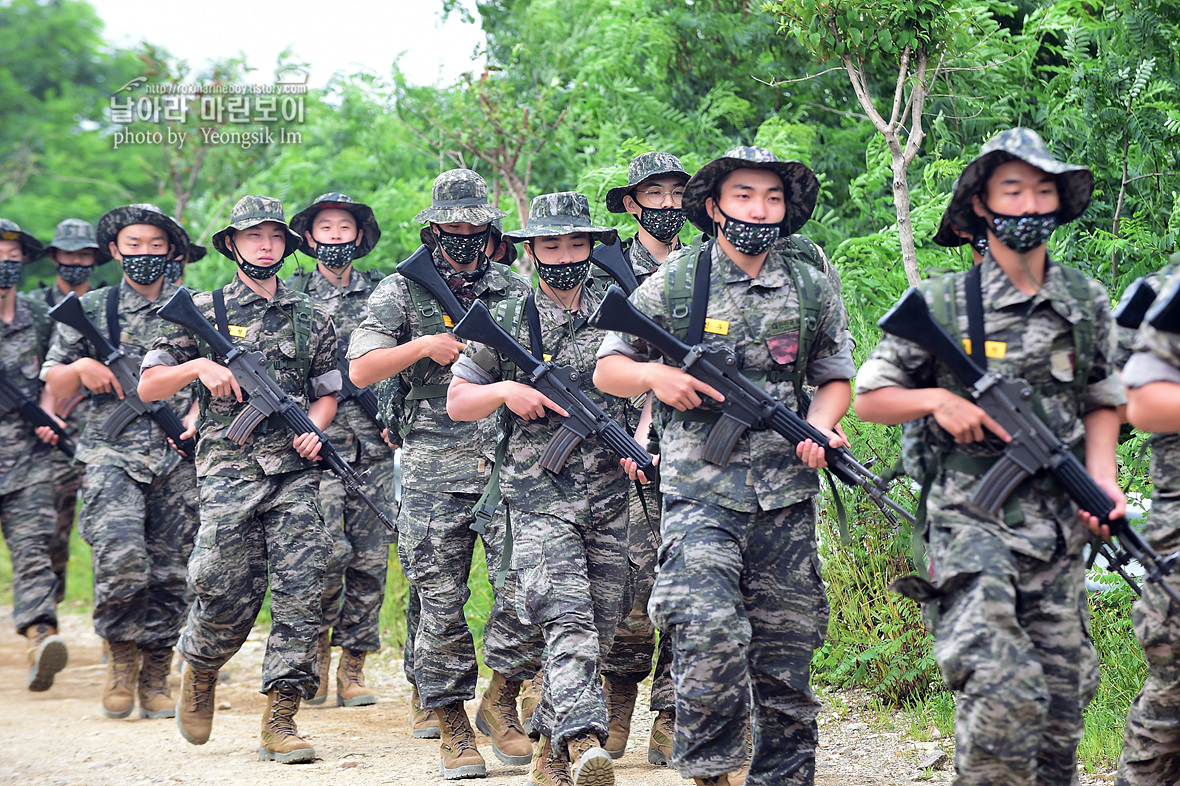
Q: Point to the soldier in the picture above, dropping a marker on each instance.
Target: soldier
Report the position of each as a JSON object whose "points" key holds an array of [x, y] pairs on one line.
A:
{"points": [[570, 531], [738, 584], [653, 194], [446, 465], [75, 253], [140, 509], [1151, 741], [26, 471], [335, 230], [259, 505], [970, 230], [179, 262], [1008, 590]]}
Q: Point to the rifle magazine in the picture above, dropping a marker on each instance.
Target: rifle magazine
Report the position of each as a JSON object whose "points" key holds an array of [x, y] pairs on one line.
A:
{"points": [[723, 439], [118, 419], [244, 424], [558, 451], [997, 485]]}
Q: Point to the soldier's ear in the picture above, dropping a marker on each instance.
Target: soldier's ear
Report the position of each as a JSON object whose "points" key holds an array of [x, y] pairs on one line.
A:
{"points": [[360, 235], [978, 207], [311, 241], [114, 251], [630, 205]]}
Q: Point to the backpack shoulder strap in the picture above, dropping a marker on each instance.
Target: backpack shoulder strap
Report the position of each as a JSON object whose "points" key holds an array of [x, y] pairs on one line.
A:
{"points": [[114, 330], [1083, 329], [300, 280], [680, 292]]}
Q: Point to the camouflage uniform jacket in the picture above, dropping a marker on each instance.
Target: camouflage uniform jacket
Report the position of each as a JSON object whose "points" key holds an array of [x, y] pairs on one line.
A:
{"points": [[592, 469], [642, 262], [51, 296], [1031, 336], [439, 453], [269, 329], [141, 449], [762, 317], [353, 432], [24, 458]]}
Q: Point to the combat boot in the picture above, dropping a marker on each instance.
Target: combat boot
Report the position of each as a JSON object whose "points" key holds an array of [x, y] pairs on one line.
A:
{"points": [[350, 680], [280, 739], [118, 696], [530, 697], [591, 765], [155, 700], [423, 723], [460, 758], [659, 745], [738, 776], [620, 704], [548, 768], [323, 665], [194, 710], [497, 718], [47, 656]]}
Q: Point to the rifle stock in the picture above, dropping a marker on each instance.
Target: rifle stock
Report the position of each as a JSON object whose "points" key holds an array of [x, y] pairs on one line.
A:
{"points": [[13, 399], [1164, 314], [610, 257], [1134, 305], [419, 268]]}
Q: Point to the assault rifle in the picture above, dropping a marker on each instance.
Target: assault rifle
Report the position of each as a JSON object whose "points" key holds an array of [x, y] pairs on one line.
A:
{"points": [[1034, 447], [362, 396], [1134, 305], [746, 405], [13, 399], [610, 257], [264, 395], [70, 312]]}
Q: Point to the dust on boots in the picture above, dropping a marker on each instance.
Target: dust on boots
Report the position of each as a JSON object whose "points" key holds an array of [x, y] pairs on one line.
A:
{"points": [[47, 656]]}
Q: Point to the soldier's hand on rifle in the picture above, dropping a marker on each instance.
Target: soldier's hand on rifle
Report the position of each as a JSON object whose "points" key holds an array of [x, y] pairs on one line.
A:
{"points": [[219, 379], [678, 388], [632, 469], [527, 402], [1115, 492], [48, 435], [97, 376], [965, 421], [442, 348], [307, 445], [385, 436], [813, 455], [190, 428]]}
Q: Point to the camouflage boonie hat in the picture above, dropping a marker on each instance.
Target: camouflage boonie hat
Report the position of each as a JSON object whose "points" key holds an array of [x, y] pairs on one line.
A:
{"points": [[250, 211], [74, 234], [800, 186], [459, 195], [10, 230], [430, 240], [301, 221], [946, 234], [563, 213], [144, 213], [643, 167], [1075, 184]]}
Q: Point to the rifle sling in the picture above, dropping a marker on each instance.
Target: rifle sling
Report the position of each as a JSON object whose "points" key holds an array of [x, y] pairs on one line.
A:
{"points": [[700, 296], [113, 328], [974, 296], [533, 318], [219, 317]]}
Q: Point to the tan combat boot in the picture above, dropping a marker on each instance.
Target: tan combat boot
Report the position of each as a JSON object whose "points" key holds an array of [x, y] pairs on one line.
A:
{"points": [[530, 697], [738, 776], [659, 745], [423, 723], [118, 696], [47, 656], [194, 710], [155, 700], [350, 680], [548, 768], [497, 718], [280, 739], [323, 666], [591, 765], [620, 704], [460, 758]]}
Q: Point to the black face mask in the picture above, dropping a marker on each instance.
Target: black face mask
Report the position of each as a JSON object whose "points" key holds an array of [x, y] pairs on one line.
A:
{"points": [[746, 237], [564, 277], [1024, 233], [256, 272], [10, 273], [335, 255], [144, 269], [463, 249], [75, 274], [662, 223], [174, 270]]}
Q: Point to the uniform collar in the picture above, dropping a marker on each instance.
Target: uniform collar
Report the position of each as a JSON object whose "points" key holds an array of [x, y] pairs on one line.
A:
{"points": [[244, 295], [774, 273], [357, 282], [1002, 293]]}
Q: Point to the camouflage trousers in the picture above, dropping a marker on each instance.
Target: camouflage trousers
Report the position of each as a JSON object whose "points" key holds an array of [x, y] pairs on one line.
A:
{"points": [[742, 596], [69, 480], [435, 544], [252, 529], [28, 523], [572, 583], [1151, 740], [1012, 641], [354, 582], [140, 535], [630, 658]]}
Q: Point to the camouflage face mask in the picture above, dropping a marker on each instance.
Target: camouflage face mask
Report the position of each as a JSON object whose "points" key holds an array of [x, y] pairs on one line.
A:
{"points": [[10, 273], [256, 272], [174, 270], [748, 238], [464, 249], [564, 277], [144, 269], [662, 223], [979, 243], [335, 255], [75, 274], [1024, 233]]}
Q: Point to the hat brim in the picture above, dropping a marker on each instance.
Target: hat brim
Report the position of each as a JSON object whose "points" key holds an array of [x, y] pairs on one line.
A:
{"points": [[800, 186], [614, 197], [469, 214], [113, 221], [196, 252], [1075, 186], [361, 212], [31, 246], [220, 238]]}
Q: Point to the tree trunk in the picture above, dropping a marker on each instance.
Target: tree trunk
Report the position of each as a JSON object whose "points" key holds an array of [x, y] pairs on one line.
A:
{"points": [[905, 228]]}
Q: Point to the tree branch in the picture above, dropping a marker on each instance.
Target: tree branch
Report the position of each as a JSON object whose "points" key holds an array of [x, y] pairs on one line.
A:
{"points": [[899, 89], [778, 82], [1153, 174]]}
